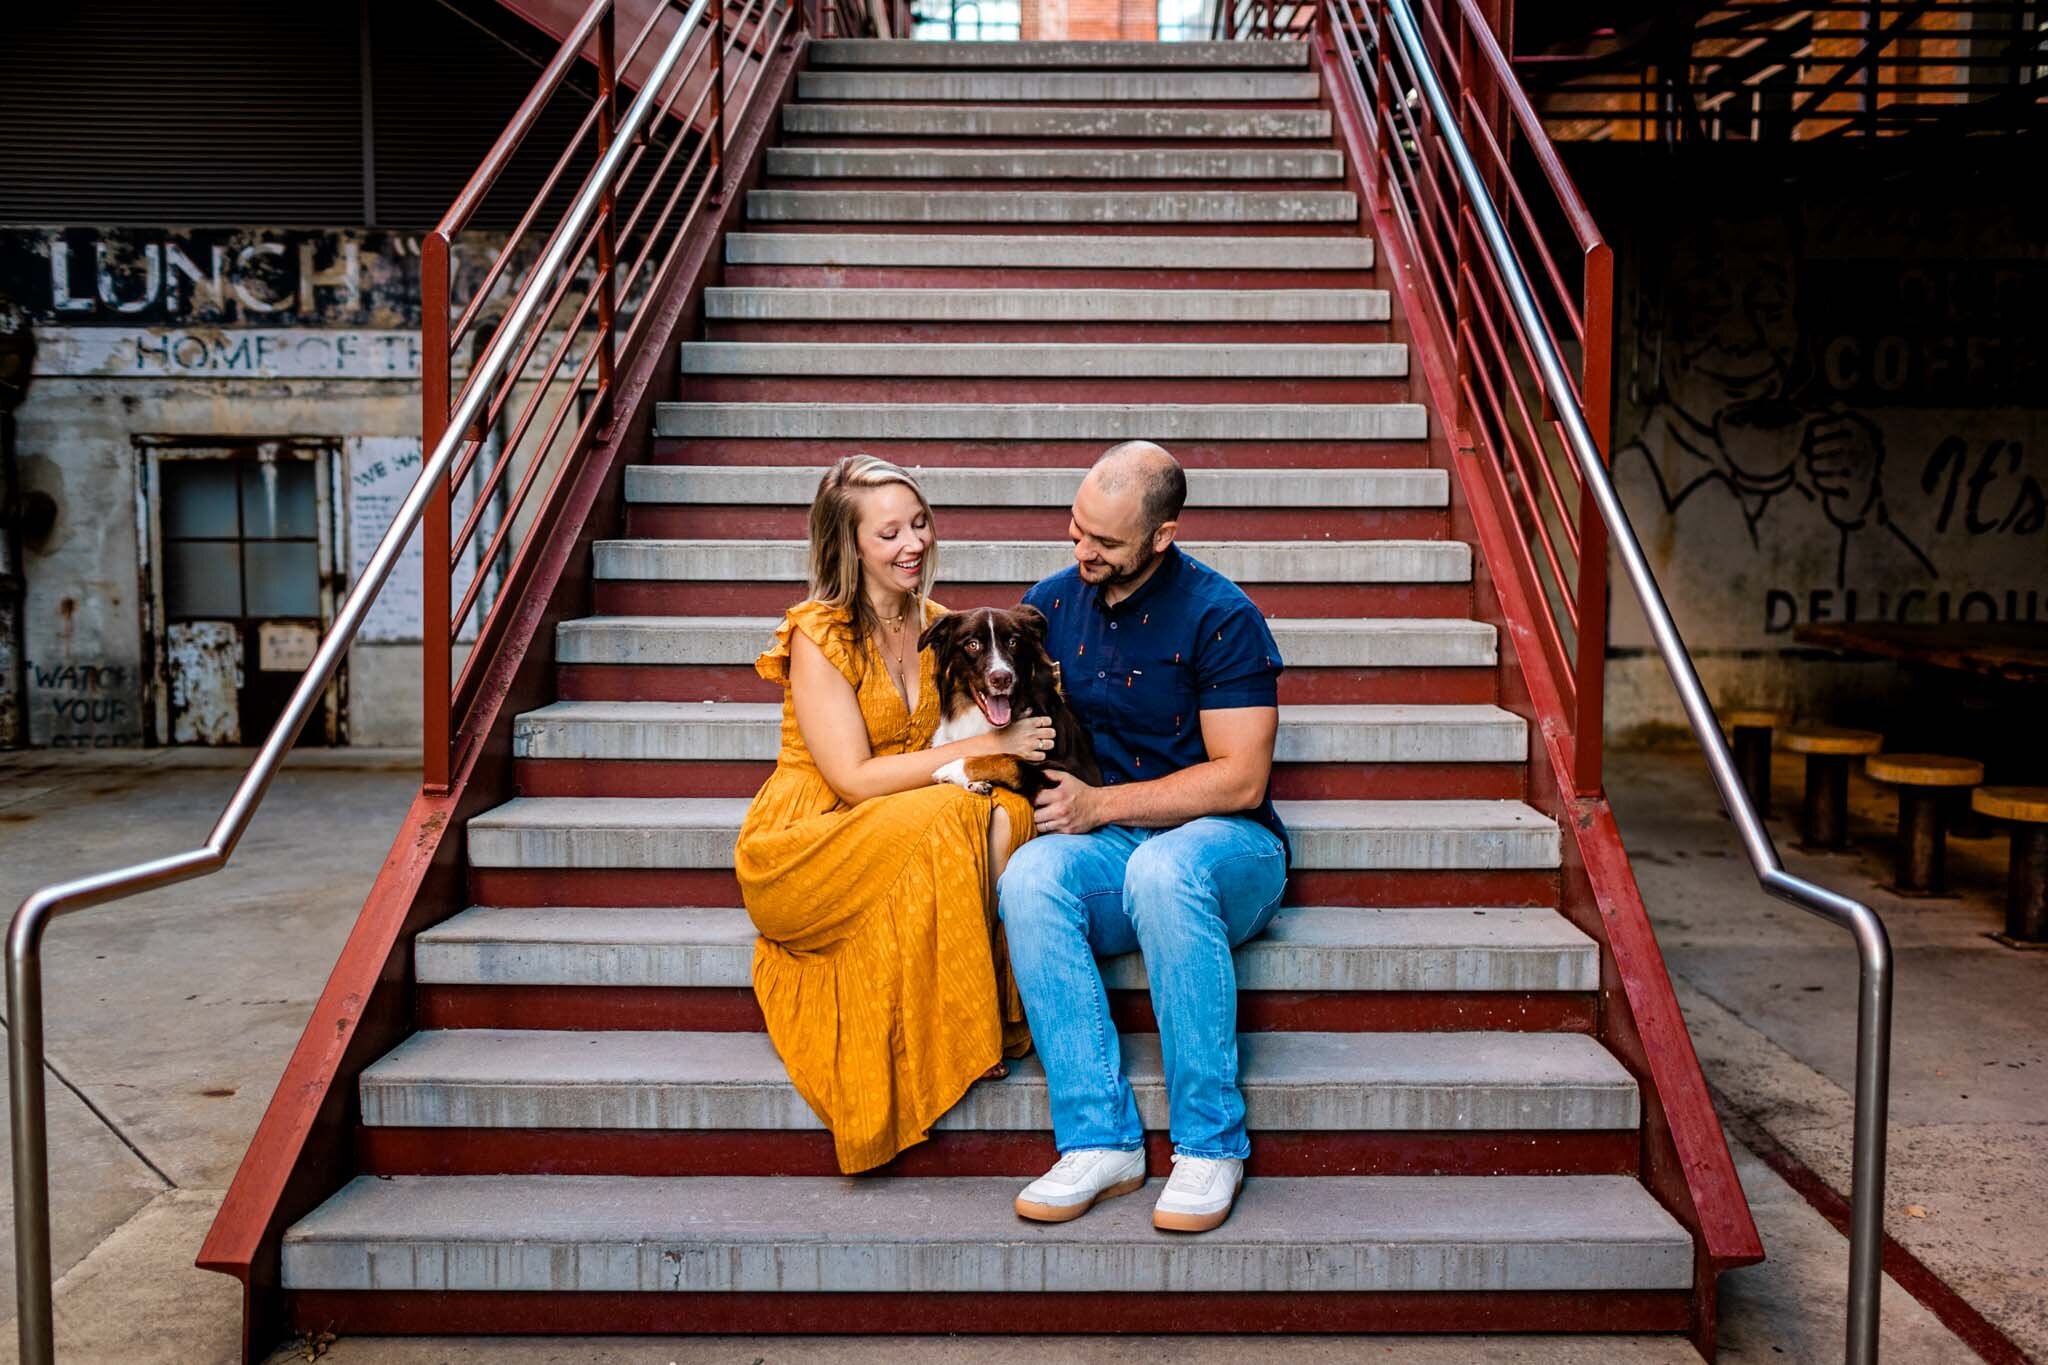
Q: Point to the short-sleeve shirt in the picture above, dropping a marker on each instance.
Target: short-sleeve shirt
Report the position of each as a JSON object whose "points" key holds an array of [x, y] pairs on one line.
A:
{"points": [[1140, 673]]}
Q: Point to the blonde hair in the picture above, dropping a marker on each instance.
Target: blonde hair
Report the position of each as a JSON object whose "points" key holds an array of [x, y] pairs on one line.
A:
{"points": [[835, 541]]}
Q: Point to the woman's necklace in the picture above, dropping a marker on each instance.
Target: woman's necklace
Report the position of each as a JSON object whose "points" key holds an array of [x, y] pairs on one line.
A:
{"points": [[897, 658]]}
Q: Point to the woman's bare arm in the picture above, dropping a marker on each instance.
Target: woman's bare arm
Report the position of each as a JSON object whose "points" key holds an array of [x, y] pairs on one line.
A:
{"points": [[829, 718]]}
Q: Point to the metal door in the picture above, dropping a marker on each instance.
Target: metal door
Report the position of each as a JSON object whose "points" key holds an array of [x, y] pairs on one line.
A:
{"points": [[240, 566]]}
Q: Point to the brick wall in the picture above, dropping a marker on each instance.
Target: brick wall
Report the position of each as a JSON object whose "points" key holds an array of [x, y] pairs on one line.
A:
{"points": [[1091, 19]]}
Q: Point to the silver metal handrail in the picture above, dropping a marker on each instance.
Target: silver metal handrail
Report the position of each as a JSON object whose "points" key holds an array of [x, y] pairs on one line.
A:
{"points": [[1873, 946], [25, 934]]}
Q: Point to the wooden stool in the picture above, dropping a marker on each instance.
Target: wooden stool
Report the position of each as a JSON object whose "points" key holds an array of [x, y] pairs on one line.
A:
{"points": [[2026, 877], [1925, 782], [1824, 819], [1750, 732]]}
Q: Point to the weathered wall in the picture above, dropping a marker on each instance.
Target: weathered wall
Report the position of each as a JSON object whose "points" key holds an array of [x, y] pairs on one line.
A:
{"points": [[1829, 407], [214, 334], [84, 608]]}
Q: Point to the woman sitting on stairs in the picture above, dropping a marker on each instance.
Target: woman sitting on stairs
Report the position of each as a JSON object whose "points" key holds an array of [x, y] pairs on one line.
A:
{"points": [[879, 967]]}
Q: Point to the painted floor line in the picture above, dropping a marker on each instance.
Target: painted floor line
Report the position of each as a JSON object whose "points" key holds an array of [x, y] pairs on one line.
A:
{"points": [[1912, 1274]]}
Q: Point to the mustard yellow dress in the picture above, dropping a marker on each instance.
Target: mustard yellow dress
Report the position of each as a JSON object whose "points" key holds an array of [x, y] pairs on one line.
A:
{"points": [[880, 965]]}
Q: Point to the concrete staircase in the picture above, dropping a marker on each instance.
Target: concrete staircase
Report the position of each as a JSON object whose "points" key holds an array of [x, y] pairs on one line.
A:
{"points": [[990, 261]]}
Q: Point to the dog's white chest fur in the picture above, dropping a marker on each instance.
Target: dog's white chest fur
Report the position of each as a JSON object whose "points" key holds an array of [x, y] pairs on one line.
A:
{"points": [[966, 725]]}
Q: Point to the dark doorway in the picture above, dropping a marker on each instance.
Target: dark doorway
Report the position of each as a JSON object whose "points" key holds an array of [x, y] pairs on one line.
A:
{"points": [[242, 568]]}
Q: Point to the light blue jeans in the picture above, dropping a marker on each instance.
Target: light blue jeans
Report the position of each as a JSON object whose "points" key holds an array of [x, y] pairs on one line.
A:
{"points": [[1184, 897]]}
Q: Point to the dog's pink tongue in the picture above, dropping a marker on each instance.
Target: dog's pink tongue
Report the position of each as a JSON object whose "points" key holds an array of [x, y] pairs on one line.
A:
{"points": [[998, 711]]}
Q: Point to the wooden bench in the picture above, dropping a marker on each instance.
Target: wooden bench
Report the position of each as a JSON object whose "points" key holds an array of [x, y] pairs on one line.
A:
{"points": [[1927, 784], [2026, 875], [1749, 730], [1824, 818]]}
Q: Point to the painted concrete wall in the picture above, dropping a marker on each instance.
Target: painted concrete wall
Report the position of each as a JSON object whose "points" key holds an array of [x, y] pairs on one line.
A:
{"points": [[1829, 407], [162, 333], [83, 633]]}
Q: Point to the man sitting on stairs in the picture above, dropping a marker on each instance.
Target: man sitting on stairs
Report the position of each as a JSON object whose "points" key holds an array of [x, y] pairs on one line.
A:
{"points": [[1179, 854]]}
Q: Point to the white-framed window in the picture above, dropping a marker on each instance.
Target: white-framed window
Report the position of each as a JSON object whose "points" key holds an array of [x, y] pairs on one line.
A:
{"points": [[1184, 21], [967, 21]]}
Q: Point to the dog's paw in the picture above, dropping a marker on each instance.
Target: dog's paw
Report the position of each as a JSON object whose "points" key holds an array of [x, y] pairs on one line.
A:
{"points": [[956, 773]]}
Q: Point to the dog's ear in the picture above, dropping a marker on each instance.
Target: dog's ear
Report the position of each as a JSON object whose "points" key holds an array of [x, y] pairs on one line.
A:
{"points": [[941, 629], [1032, 619]]}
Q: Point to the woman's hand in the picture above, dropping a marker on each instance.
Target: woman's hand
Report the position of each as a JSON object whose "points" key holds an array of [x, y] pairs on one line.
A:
{"points": [[1028, 738]]}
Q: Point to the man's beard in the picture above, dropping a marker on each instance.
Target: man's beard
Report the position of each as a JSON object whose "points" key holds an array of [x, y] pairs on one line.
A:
{"points": [[1118, 575]]}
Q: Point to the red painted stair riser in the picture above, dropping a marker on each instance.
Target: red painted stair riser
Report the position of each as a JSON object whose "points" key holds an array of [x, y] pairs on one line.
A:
{"points": [[574, 1151], [733, 1010], [1291, 781]]}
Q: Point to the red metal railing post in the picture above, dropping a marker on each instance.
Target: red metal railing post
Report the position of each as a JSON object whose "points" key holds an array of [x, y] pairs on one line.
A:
{"points": [[1463, 246], [717, 168], [607, 206], [1588, 739], [435, 567], [1384, 135]]}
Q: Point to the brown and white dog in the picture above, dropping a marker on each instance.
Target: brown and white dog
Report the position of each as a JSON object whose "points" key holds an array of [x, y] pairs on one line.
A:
{"points": [[992, 667]]}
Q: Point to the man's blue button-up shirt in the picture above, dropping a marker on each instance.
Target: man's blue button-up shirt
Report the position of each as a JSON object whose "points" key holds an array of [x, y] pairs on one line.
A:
{"points": [[1138, 674]]}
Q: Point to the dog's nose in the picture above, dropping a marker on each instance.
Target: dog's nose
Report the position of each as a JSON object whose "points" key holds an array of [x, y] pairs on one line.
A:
{"points": [[1001, 677]]}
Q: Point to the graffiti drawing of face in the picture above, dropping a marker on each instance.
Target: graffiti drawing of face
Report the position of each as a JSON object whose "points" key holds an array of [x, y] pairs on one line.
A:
{"points": [[1732, 329]]}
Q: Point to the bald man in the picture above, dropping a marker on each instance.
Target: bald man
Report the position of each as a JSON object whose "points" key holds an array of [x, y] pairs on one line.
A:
{"points": [[1179, 854]]}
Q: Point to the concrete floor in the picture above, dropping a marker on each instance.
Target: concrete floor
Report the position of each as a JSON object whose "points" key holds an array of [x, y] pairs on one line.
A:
{"points": [[1769, 994], [170, 1018]]}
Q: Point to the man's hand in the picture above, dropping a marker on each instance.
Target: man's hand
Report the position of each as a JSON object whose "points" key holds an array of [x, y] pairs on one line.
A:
{"points": [[1067, 806], [1844, 457]]}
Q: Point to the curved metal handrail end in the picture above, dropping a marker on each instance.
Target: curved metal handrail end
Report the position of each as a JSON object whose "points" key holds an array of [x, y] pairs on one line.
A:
{"points": [[1873, 942], [62, 898]]}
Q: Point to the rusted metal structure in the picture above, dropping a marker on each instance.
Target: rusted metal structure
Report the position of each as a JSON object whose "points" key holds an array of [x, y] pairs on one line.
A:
{"points": [[1763, 71]]}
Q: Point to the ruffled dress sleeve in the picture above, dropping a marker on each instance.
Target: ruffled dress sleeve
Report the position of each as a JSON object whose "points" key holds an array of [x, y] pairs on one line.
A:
{"points": [[826, 627]]}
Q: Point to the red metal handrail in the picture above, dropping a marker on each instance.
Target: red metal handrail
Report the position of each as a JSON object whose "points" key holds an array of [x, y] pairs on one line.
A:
{"points": [[1521, 369], [1500, 408], [547, 408]]}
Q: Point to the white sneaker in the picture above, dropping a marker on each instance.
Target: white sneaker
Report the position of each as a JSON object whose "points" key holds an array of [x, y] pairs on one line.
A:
{"points": [[1078, 1181], [1199, 1194]]}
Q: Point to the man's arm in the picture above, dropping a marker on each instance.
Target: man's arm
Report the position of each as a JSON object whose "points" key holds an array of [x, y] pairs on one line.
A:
{"points": [[1239, 742]]}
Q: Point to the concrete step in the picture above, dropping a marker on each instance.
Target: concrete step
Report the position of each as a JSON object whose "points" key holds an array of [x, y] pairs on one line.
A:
{"points": [[990, 251], [1293, 1082], [1134, 122], [570, 731], [1247, 306], [1057, 163], [1305, 948], [1054, 55], [1046, 359], [1052, 206], [720, 1235], [614, 832], [711, 641], [1059, 87], [1024, 561], [1044, 421], [795, 485]]}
